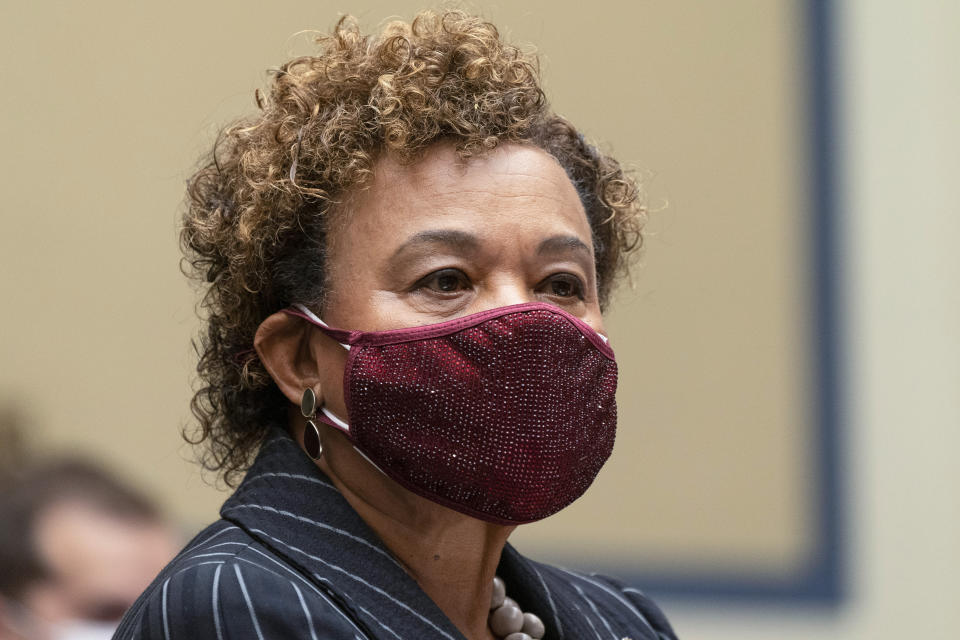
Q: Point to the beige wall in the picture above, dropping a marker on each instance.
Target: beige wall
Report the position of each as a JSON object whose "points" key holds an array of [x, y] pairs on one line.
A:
{"points": [[107, 105], [901, 150], [111, 107]]}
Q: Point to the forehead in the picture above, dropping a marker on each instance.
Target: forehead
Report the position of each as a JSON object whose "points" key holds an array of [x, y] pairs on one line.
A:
{"points": [[509, 190]]}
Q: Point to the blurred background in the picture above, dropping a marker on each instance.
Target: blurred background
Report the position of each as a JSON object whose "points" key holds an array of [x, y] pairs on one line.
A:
{"points": [[789, 346]]}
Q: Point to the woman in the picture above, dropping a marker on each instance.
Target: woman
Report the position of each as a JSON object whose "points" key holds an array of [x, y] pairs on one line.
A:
{"points": [[407, 255]]}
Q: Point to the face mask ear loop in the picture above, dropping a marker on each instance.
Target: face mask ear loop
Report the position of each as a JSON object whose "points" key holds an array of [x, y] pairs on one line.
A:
{"points": [[315, 318], [340, 423]]}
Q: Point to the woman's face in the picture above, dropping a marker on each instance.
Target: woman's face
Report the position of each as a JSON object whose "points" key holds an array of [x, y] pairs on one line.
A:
{"points": [[443, 238]]}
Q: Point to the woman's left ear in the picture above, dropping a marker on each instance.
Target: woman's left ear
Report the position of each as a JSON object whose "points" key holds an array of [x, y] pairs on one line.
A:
{"points": [[282, 342]]}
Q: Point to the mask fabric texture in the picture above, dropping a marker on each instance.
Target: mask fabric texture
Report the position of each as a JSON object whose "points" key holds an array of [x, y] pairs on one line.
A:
{"points": [[506, 415]]}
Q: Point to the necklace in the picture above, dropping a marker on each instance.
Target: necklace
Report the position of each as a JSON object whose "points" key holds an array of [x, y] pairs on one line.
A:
{"points": [[507, 621]]}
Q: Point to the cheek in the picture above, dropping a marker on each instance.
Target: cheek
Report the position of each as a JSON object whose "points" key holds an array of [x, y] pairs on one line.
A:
{"points": [[49, 602], [333, 360], [594, 318]]}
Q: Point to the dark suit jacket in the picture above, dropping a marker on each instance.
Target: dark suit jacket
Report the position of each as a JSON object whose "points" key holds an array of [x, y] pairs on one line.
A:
{"points": [[290, 558]]}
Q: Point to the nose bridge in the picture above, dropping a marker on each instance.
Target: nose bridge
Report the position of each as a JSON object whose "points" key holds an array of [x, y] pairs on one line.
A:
{"points": [[505, 290]]}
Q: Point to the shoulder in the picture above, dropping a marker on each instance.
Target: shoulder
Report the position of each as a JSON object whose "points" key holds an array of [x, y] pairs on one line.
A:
{"points": [[225, 585], [608, 598]]}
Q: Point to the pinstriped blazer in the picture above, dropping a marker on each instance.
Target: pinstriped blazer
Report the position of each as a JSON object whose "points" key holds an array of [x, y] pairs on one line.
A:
{"points": [[290, 559]]}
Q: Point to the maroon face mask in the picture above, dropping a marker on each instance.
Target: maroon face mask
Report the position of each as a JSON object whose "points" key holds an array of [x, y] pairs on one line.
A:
{"points": [[506, 415]]}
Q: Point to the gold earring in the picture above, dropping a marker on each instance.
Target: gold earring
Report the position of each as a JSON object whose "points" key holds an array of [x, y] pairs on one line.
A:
{"points": [[311, 435]]}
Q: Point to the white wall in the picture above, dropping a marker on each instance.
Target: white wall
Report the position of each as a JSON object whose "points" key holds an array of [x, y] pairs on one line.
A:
{"points": [[900, 136]]}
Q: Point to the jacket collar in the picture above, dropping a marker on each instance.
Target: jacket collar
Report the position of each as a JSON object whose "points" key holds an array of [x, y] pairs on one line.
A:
{"points": [[291, 507]]}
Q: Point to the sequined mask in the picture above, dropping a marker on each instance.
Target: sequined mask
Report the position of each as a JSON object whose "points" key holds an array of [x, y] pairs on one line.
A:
{"points": [[506, 415]]}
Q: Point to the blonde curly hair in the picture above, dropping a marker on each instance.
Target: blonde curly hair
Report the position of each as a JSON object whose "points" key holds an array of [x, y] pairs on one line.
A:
{"points": [[255, 226]]}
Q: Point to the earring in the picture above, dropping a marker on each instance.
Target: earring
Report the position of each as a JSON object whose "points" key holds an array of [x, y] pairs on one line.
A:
{"points": [[311, 435]]}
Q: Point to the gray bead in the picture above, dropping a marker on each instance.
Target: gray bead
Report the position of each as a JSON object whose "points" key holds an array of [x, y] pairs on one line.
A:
{"points": [[518, 636], [499, 593], [510, 602], [506, 620], [533, 626]]}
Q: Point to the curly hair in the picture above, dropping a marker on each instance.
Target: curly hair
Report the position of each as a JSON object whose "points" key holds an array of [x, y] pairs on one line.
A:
{"points": [[254, 229]]}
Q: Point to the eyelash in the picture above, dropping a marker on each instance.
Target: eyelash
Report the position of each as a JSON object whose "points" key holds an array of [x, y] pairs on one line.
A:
{"points": [[577, 286], [424, 283]]}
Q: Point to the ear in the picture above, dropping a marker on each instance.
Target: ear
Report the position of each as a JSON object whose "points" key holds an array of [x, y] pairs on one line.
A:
{"points": [[283, 343]]}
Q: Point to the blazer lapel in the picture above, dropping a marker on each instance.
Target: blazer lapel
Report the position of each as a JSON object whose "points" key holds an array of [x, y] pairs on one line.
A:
{"points": [[529, 587], [290, 506]]}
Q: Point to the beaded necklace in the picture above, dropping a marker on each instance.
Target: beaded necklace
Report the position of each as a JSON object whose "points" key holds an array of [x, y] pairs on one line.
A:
{"points": [[507, 621]]}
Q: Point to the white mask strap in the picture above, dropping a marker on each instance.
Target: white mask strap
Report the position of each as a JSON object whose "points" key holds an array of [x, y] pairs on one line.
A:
{"points": [[315, 318], [337, 421], [343, 425]]}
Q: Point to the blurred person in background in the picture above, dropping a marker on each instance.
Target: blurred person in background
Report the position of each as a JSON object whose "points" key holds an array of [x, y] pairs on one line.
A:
{"points": [[76, 548]]}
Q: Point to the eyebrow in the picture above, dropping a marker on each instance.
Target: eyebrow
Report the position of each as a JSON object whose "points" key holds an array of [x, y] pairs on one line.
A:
{"points": [[563, 244], [459, 241], [465, 243]]}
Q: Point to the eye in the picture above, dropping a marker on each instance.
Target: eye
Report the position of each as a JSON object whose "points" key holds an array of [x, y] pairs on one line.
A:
{"points": [[563, 285], [444, 281]]}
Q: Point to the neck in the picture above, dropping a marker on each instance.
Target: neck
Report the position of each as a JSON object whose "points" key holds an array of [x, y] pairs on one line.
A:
{"points": [[452, 556]]}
